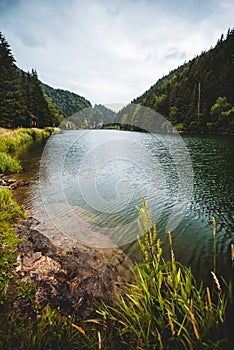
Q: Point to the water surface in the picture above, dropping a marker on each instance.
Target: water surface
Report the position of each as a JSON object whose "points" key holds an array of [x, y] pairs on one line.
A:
{"points": [[91, 182]]}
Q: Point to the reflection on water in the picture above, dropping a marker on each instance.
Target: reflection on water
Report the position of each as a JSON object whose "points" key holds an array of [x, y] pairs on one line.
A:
{"points": [[126, 165]]}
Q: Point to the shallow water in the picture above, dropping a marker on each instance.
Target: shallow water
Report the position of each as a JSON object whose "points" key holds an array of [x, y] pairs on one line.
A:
{"points": [[90, 182]]}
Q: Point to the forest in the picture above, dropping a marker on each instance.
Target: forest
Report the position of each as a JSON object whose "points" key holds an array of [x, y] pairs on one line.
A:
{"points": [[196, 97], [23, 96], [90, 118], [66, 102]]}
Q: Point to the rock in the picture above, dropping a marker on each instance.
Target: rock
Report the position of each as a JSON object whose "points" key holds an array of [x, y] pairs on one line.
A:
{"points": [[11, 183], [74, 279]]}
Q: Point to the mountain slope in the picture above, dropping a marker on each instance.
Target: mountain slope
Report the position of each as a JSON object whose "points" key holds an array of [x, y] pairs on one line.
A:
{"points": [[198, 96], [66, 102], [90, 118]]}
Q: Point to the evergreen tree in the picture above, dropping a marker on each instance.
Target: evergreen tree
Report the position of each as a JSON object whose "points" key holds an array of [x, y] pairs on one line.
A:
{"points": [[12, 107], [21, 94], [188, 95]]}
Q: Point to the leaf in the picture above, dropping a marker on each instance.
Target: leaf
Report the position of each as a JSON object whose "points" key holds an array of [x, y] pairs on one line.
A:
{"points": [[80, 329]]}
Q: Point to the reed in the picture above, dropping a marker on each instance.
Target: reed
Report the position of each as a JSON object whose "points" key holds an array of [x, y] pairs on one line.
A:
{"points": [[165, 308], [162, 308], [214, 235]]}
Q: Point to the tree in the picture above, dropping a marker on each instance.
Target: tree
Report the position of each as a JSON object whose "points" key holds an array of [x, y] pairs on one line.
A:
{"points": [[12, 107], [21, 94], [222, 115], [221, 105], [176, 95]]}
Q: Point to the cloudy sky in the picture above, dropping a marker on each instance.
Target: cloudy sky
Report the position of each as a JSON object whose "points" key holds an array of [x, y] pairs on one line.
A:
{"points": [[110, 51]]}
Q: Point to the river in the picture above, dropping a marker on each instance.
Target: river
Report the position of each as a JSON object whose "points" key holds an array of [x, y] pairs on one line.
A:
{"points": [[89, 183]]}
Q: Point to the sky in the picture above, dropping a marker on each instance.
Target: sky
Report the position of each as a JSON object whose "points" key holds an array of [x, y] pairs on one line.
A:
{"points": [[110, 51]]}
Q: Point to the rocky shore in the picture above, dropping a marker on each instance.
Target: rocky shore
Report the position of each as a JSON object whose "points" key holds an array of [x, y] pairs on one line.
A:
{"points": [[11, 184], [75, 279], [69, 276]]}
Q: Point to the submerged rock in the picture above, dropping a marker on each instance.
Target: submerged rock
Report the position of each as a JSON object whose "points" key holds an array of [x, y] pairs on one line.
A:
{"points": [[11, 183], [74, 279]]}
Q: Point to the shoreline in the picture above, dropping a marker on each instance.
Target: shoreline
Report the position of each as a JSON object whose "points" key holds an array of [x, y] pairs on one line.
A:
{"points": [[73, 279], [67, 275]]}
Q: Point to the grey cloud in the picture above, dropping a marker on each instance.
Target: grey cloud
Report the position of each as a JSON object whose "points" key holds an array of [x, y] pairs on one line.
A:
{"points": [[30, 40], [6, 6], [174, 53], [109, 50]]}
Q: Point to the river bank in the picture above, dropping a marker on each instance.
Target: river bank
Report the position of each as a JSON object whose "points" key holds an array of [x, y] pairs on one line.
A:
{"points": [[71, 296], [73, 279], [68, 276]]}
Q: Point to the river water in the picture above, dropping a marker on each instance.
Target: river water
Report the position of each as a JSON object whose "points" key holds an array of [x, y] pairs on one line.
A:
{"points": [[88, 184]]}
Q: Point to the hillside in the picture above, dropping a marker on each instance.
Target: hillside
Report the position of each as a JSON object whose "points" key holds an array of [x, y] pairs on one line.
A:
{"points": [[66, 102], [90, 118], [198, 96], [26, 101]]}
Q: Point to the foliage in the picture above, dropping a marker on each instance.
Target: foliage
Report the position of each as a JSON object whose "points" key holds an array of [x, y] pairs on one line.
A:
{"points": [[46, 329], [198, 94], [22, 95], [8, 164], [66, 102], [12, 108], [11, 140], [9, 213], [164, 308], [94, 117]]}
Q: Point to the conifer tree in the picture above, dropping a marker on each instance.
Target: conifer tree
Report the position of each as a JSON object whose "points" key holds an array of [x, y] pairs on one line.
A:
{"points": [[12, 108]]}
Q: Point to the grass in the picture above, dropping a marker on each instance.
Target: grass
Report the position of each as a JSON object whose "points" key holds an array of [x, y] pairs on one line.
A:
{"points": [[162, 308], [165, 308], [9, 213], [11, 140], [8, 164]]}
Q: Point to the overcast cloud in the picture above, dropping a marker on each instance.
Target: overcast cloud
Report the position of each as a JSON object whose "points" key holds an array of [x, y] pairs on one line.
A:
{"points": [[110, 51]]}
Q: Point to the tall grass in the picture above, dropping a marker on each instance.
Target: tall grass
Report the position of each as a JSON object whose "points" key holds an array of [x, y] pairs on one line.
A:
{"points": [[9, 213], [165, 308], [11, 140], [47, 329], [162, 308], [8, 164]]}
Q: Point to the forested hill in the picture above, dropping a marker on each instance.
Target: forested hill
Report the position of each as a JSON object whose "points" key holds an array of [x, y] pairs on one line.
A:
{"points": [[22, 98], [198, 96], [90, 118], [66, 102]]}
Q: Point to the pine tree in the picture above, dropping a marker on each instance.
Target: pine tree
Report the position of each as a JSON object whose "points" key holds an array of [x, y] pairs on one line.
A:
{"points": [[37, 104], [12, 108]]}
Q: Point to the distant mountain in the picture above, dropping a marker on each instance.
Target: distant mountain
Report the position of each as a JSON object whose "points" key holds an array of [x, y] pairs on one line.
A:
{"points": [[66, 102], [90, 118], [196, 97]]}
